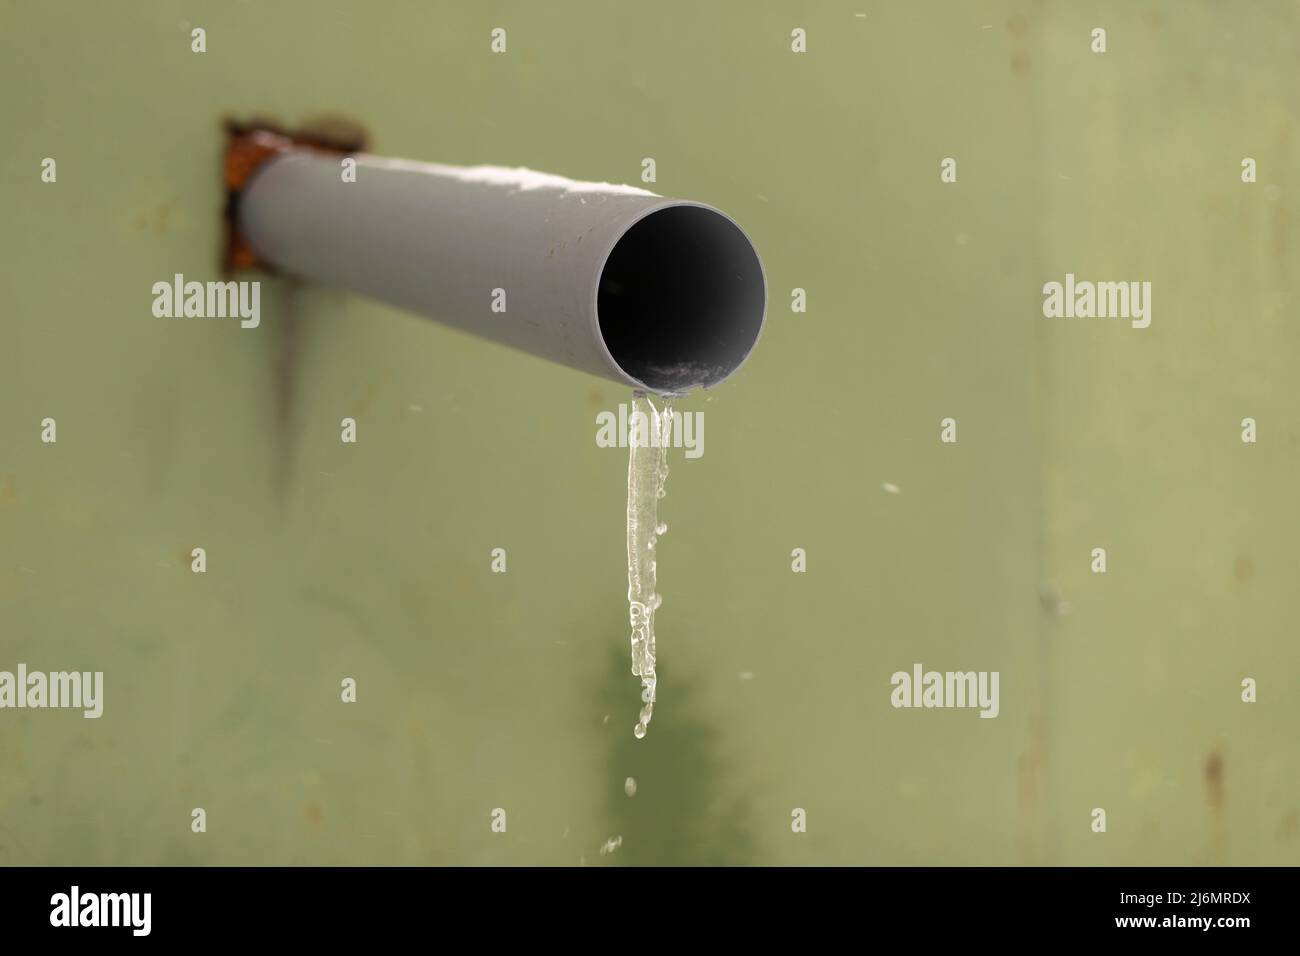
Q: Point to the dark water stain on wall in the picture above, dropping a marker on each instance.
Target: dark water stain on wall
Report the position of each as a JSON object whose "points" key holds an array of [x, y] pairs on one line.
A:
{"points": [[1215, 798], [684, 813], [250, 145]]}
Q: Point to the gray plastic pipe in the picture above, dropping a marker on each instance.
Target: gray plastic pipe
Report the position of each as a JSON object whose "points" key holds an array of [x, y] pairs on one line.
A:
{"points": [[660, 294]]}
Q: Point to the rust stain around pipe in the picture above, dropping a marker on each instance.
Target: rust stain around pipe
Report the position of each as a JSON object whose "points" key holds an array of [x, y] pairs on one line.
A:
{"points": [[249, 145]]}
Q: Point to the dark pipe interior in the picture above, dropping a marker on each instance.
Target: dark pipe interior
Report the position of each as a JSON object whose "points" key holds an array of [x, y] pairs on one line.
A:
{"points": [[681, 299]]}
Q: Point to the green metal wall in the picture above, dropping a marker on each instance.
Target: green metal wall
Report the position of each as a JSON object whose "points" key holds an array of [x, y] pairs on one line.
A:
{"points": [[479, 690]]}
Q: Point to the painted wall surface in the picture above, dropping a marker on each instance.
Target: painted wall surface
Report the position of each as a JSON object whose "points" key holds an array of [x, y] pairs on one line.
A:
{"points": [[478, 690]]}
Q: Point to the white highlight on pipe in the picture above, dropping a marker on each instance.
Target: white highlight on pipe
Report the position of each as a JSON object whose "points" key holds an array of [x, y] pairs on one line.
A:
{"points": [[649, 436], [516, 177]]}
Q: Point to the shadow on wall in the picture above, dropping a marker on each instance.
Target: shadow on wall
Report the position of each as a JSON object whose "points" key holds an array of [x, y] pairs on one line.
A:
{"points": [[682, 813]]}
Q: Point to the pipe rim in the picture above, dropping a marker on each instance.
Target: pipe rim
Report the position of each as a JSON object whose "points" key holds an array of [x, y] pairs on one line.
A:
{"points": [[603, 261]]}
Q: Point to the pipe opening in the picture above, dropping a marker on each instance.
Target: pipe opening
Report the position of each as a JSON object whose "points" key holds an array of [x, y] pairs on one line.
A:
{"points": [[681, 299]]}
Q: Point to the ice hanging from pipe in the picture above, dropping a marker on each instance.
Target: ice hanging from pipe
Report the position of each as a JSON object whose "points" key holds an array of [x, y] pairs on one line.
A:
{"points": [[649, 436]]}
